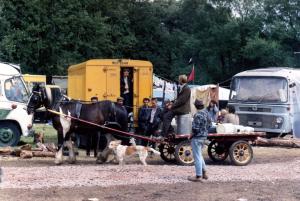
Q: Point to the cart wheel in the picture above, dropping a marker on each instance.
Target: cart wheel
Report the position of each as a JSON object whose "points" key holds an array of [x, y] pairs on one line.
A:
{"points": [[167, 152], [184, 153], [241, 153], [217, 151]]}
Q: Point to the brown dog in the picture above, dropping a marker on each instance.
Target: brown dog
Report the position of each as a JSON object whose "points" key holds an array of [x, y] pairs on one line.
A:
{"points": [[122, 151]]}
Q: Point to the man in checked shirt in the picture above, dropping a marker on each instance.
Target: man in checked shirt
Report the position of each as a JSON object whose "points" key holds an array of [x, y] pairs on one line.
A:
{"points": [[200, 126]]}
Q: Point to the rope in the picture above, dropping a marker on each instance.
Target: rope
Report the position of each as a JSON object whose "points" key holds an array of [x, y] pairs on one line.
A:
{"points": [[107, 128], [224, 81]]}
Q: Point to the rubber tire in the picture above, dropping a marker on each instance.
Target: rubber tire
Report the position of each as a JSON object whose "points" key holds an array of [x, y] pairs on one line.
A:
{"points": [[231, 153], [210, 153], [16, 134], [177, 153], [165, 158]]}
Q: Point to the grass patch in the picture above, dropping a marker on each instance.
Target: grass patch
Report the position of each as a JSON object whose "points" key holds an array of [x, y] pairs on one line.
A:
{"points": [[50, 134]]}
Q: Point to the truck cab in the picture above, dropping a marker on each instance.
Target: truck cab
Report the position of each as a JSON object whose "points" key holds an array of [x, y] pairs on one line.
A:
{"points": [[267, 99], [14, 95]]}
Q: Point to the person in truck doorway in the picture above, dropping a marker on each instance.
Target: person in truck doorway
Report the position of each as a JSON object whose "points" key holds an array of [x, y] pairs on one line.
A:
{"points": [[127, 89]]}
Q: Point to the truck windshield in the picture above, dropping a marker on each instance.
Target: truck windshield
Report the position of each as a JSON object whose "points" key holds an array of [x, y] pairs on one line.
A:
{"points": [[259, 89], [15, 90]]}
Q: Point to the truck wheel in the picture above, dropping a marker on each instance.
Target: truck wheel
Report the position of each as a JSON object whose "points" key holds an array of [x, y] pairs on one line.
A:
{"points": [[184, 153], [241, 153], [167, 152], [217, 151], [9, 134]]}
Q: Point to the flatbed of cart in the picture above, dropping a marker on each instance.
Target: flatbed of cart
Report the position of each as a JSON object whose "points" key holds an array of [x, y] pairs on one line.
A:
{"points": [[235, 145]]}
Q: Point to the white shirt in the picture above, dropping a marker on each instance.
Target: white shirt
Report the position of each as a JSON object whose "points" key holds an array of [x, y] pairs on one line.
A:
{"points": [[153, 111], [126, 85]]}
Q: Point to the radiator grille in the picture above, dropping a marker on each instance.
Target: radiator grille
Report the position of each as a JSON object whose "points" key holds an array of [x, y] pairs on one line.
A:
{"points": [[254, 109], [257, 120]]}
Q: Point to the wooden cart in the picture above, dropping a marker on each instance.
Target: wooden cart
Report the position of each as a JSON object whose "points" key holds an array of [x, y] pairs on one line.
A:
{"points": [[237, 146]]}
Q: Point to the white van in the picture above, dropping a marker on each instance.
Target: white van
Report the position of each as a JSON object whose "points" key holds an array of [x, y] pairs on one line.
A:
{"points": [[268, 99], [14, 95]]}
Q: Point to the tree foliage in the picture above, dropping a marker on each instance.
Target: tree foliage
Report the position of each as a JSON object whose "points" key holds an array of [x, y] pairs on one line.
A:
{"points": [[222, 36]]}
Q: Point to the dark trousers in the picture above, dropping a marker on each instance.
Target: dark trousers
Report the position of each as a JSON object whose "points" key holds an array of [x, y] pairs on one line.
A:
{"points": [[151, 131], [142, 130], [167, 119], [127, 101]]}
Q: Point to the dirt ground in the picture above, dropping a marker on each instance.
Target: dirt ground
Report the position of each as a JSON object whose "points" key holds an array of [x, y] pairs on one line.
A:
{"points": [[274, 174]]}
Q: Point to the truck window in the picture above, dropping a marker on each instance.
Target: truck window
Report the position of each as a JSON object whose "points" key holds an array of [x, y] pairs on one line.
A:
{"points": [[259, 89], [15, 90]]}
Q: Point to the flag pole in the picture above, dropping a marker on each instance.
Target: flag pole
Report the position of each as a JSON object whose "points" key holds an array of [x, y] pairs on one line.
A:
{"points": [[194, 74]]}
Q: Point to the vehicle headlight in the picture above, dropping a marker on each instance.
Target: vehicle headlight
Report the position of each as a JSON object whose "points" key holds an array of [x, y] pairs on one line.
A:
{"points": [[279, 120]]}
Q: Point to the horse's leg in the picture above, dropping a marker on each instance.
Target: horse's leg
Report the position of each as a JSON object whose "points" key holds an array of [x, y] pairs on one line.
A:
{"points": [[60, 139], [70, 145], [102, 156], [72, 156], [88, 143], [96, 141], [64, 132], [59, 154]]}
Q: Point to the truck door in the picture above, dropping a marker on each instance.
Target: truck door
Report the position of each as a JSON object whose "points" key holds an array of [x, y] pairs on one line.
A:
{"points": [[112, 83], [142, 86]]}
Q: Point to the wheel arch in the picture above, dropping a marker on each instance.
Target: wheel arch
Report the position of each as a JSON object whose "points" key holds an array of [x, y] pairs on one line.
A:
{"points": [[14, 122]]}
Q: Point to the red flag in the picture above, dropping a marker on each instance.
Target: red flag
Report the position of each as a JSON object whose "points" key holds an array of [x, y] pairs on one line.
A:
{"points": [[192, 75]]}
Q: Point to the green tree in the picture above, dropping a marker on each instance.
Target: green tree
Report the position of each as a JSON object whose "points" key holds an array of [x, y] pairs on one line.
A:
{"points": [[47, 36]]}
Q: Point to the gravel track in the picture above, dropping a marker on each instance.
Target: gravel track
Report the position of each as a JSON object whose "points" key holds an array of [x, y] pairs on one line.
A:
{"points": [[115, 175]]}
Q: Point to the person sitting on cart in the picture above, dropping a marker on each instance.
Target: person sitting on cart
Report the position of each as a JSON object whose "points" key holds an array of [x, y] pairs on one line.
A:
{"points": [[213, 110], [231, 117], [200, 126], [167, 107], [221, 117], [181, 105], [154, 119]]}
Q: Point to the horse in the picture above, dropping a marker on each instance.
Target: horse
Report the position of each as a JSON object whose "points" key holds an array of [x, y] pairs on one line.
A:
{"points": [[100, 113]]}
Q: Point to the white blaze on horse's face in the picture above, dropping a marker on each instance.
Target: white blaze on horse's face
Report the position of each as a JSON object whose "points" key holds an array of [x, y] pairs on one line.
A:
{"points": [[65, 121]]}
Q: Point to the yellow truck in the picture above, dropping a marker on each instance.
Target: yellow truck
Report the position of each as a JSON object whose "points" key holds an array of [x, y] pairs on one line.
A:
{"points": [[101, 78], [32, 80]]}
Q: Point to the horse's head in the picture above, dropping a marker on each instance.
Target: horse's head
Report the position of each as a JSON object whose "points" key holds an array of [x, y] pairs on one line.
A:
{"points": [[35, 100], [46, 96]]}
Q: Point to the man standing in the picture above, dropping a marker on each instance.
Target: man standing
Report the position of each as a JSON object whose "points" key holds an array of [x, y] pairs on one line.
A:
{"points": [[181, 105], [127, 90], [200, 126], [94, 99], [120, 104], [155, 118], [143, 117]]}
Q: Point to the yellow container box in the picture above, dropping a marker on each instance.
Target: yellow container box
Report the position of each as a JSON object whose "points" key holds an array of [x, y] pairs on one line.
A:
{"points": [[101, 78]]}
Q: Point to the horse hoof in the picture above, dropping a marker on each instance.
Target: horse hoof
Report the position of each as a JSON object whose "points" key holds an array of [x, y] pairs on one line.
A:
{"points": [[72, 161], [99, 161]]}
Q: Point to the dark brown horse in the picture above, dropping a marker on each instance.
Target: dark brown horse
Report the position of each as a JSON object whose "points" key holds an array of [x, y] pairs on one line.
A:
{"points": [[101, 113]]}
